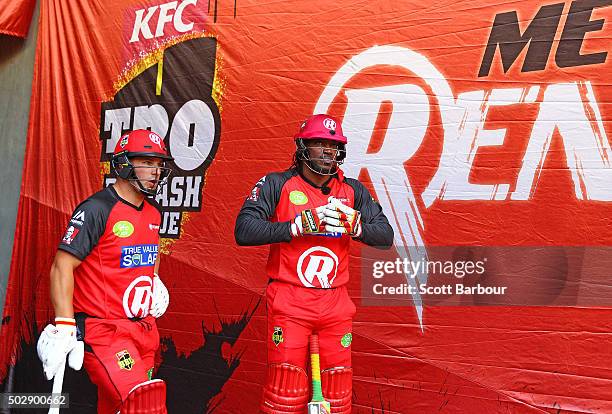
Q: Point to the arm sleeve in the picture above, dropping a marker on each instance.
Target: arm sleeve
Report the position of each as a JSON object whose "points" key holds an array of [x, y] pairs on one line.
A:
{"points": [[84, 229], [376, 230], [253, 225]]}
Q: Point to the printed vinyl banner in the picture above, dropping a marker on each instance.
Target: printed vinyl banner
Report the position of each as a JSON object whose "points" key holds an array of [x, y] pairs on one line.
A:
{"points": [[482, 128], [15, 16]]}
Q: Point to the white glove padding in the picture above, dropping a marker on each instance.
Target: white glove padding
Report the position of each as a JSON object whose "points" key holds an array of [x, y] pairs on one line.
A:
{"points": [[340, 218], [55, 344], [308, 222], [161, 298]]}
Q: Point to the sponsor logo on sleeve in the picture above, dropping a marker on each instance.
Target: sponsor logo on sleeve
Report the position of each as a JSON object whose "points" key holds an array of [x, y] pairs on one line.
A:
{"points": [[254, 196], [71, 233], [78, 219]]}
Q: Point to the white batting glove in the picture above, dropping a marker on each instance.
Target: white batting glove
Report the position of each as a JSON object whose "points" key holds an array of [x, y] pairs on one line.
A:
{"points": [[161, 297], [309, 221], [340, 218], [58, 342]]}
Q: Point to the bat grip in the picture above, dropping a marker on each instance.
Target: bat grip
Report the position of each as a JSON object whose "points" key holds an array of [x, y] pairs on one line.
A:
{"points": [[317, 394]]}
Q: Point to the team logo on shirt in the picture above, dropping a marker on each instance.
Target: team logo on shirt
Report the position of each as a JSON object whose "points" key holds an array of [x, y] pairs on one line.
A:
{"points": [[137, 297], [138, 255], [71, 233], [277, 335], [123, 229], [298, 198], [125, 360], [316, 265]]}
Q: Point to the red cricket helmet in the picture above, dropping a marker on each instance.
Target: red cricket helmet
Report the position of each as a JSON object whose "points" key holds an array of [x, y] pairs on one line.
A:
{"points": [[321, 126], [140, 143], [317, 127]]}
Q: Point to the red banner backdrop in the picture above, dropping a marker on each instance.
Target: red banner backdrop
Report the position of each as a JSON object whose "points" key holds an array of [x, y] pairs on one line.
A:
{"points": [[474, 123], [15, 16]]}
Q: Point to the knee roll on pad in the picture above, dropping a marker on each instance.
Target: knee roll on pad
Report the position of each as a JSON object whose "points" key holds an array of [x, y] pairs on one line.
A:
{"points": [[337, 385], [286, 390], [146, 398]]}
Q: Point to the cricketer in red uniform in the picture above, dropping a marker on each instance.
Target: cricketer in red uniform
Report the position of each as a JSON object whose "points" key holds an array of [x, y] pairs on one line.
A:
{"points": [[104, 283], [309, 214]]}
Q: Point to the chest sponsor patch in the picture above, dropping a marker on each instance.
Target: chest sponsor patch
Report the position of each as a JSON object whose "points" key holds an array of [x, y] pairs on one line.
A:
{"points": [[298, 198], [123, 229], [138, 255]]}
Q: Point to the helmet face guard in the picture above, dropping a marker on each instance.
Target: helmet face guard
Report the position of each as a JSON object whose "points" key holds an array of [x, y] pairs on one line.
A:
{"points": [[315, 128], [141, 143], [123, 168], [302, 153]]}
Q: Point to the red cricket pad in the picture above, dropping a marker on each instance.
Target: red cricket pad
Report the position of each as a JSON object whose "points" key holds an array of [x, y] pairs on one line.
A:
{"points": [[337, 385], [146, 398], [321, 126], [141, 142], [286, 390]]}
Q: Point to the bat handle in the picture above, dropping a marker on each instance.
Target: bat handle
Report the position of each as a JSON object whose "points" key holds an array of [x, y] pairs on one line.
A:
{"points": [[58, 382], [317, 394]]}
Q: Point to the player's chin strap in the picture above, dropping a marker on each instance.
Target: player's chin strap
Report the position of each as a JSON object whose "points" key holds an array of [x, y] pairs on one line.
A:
{"points": [[337, 385], [304, 155], [135, 181], [146, 398], [286, 390]]}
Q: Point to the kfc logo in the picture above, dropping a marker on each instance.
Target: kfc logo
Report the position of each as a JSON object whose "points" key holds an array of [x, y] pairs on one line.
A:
{"points": [[137, 297], [317, 267], [71, 233]]}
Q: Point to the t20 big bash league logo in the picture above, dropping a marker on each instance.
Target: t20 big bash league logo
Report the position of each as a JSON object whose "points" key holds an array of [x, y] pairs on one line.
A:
{"points": [[173, 98]]}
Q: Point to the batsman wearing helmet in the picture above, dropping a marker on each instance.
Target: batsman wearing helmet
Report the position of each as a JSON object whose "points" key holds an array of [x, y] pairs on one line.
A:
{"points": [[104, 284], [309, 214]]}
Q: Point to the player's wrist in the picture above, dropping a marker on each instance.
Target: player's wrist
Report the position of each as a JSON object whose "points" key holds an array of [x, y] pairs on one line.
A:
{"points": [[65, 326]]}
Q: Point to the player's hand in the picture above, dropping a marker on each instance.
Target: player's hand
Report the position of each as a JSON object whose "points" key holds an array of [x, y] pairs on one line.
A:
{"points": [[58, 342], [308, 222], [161, 298], [340, 218]]}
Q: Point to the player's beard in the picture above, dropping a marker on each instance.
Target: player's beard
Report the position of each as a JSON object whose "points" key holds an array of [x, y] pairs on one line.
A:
{"points": [[325, 164]]}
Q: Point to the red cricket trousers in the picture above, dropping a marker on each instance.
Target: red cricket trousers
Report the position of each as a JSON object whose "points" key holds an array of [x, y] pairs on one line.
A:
{"points": [[122, 355], [295, 312]]}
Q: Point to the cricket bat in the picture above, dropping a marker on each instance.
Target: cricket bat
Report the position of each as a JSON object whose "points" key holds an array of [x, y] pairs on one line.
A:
{"points": [[317, 404], [58, 382]]}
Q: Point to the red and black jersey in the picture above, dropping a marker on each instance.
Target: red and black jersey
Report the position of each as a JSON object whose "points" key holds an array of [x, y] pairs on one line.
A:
{"points": [[314, 261], [118, 245]]}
